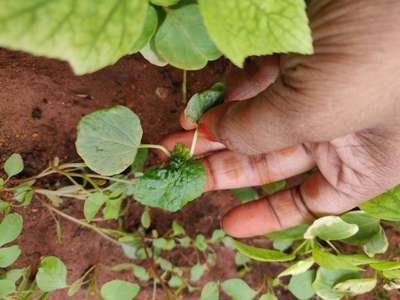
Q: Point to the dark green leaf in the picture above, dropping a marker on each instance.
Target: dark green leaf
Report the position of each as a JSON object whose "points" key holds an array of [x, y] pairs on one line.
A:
{"points": [[201, 102], [183, 41], [140, 160], [164, 2], [108, 139], [246, 194], [301, 285], [261, 254], [14, 165]]}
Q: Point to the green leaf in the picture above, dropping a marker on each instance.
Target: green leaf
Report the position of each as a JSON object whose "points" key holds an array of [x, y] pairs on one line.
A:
{"points": [[108, 139], [172, 187], [300, 285], [23, 194], [385, 206], [149, 28], [164, 264], [200, 103], [4, 207], [7, 286], [210, 291], [164, 244], [141, 273], [175, 282], [119, 290], [356, 286], [326, 280], [112, 209], [89, 35], [282, 245], [245, 195], [241, 259], [8, 255], [378, 244], [358, 259], [261, 254], [298, 267], [145, 219], [185, 241], [238, 289], [196, 272], [217, 236], [15, 274], [177, 229], [14, 164], [140, 159], [330, 228], [93, 204], [200, 242], [385, 265], [10, 228], [330, 261], [1, 183], [268, 296], [391, 274], [294, 233], [183, 41], [52, 274], [274, 187], [151, 55], [164, 2], [368, 226], [257, 27]]}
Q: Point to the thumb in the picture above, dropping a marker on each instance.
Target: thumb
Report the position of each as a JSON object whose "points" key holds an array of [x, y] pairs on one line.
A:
{"points": [[268, 122]]}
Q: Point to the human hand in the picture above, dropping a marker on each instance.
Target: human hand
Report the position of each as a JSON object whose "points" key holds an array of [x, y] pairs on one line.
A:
{"points": [[337, 110]]}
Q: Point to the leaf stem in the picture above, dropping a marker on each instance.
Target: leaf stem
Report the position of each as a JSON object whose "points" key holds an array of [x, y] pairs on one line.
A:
{"points": [[194, 142], [158, 147], [184, 86]]}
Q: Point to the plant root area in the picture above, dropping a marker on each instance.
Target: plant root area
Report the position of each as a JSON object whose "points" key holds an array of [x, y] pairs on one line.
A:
{"points": [[41, 102]]}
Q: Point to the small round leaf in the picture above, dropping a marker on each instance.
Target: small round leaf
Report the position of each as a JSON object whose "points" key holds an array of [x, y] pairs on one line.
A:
{"points": [[52, 274], [14, 165], [119, 290]]}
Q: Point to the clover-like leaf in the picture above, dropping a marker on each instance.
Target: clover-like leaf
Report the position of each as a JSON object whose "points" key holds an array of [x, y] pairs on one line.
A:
{"points": [[119, 290], [257, 27], [108, 139], [52, 274], [173, 186], [261, 254], [330, 228], [238, 289], [300, 285], [10, 228], [182, 39], [356, 286], [199, 103], [14, 165], [90, 35]]}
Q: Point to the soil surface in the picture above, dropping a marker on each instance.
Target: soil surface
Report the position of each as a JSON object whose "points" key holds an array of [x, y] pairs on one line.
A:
{"points": [[41, 102]]}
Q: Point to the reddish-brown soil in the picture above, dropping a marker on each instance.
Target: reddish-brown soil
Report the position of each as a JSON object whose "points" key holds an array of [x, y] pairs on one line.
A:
{"points": [[41, 102]]}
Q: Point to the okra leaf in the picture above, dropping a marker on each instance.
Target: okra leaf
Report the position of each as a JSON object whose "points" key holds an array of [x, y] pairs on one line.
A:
{"points": [[10, 228], [262, 254], [52, 274], [182, 39], [199, 103], [14, 165], [330, 228], [171, 187], [385, 206], [119, 290], [238, 289], [257, 27], [356, 286], [108, 139]]}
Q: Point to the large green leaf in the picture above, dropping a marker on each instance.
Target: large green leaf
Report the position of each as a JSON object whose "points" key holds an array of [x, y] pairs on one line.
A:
{"points": [[88, 34], [199, 103], [8, 255], [300, 285], [261, 254], [385, 206], [330, 261], [326, 280], [257, 27], [330, 228], [108, 139], [368, 226], [183, 41], [52, 274], [238, 289], [10, 228], [171, 187], [119, 290]]}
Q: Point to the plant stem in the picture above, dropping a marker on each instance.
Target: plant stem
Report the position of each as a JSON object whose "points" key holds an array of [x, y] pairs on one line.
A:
{"points": [[184, 86], [101, 177], [333, 246], [158, 147], [80, 223], [194, 142], [60, 194]]}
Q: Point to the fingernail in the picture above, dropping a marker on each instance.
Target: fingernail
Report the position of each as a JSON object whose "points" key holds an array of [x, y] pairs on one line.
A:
{"points": [[205, 133]]}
